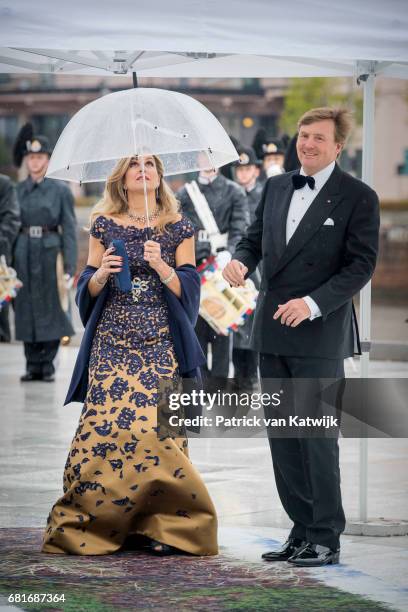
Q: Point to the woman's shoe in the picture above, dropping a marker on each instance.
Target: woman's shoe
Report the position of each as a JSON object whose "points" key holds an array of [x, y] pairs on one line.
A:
{"points": [[162, 550]]}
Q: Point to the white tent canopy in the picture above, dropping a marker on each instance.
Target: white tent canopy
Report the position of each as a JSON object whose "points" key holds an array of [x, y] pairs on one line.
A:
{"points": [[218, 38], [231, 38]]}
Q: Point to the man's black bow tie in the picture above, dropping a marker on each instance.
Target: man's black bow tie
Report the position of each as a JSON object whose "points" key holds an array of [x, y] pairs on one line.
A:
{"points": [[300, 181]]}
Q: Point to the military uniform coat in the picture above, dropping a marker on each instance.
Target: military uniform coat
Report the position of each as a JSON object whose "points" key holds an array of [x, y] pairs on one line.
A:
{"points": [[38, 313], [227, 202], [9, 216]]}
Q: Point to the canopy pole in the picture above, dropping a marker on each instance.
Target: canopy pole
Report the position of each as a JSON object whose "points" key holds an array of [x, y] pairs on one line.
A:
{"points": [[368, 79], [135, 83]]}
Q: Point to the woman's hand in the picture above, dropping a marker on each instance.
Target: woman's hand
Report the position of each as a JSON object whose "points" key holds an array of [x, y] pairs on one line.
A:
{"points": [[111, 264], [152, 254]]}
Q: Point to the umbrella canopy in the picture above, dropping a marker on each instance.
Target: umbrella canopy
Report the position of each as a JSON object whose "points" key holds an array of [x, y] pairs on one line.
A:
{"points": [[177, 128], [233, 38]]}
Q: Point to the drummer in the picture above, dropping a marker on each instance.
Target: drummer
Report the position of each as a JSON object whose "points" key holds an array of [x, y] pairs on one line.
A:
{"points": [[227, 202], [245, 361]]}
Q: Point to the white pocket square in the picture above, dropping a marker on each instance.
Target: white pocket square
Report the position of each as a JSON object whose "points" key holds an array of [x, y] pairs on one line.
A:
{"points": [[329, 221]]}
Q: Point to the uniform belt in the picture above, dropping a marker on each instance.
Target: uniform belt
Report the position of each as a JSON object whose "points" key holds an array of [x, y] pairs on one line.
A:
{"points": [[37, 231]]}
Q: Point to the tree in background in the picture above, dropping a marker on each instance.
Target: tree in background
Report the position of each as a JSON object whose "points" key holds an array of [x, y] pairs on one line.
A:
{"points": [[303, 94]]}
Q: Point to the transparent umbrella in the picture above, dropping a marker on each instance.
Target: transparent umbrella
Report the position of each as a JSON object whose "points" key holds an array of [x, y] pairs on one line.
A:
{"points": [[141, 121]]}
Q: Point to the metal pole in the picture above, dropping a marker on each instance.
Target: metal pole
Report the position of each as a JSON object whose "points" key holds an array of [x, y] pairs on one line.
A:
{"points": [[368, 80], [134, 77]]}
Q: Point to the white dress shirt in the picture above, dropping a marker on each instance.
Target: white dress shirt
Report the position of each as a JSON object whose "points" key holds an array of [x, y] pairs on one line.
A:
{"points": [[299, 204]]}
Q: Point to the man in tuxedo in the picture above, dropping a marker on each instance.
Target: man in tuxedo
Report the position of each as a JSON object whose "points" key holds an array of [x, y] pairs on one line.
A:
{"points": [[316, 231]]}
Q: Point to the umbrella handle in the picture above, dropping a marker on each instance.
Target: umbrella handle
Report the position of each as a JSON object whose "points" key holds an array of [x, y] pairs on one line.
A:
{"points": [[149, 229]]}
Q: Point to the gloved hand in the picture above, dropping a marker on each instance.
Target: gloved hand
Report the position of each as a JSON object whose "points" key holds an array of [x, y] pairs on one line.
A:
{"points": [[223, 258], [68, 281]]}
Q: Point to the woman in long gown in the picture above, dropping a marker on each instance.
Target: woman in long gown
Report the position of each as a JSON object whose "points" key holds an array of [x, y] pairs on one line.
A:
{"points": [[121, 478]]}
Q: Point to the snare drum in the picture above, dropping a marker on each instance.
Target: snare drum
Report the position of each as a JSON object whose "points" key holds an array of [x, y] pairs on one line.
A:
{"points": [[9, 283], [224, 308]]}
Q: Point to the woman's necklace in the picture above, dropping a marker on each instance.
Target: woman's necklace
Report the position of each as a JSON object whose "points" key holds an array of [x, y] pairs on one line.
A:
{"points": [[142, 218]]}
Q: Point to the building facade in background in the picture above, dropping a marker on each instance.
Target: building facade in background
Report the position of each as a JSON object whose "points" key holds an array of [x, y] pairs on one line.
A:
{"points": [[242, 106]]}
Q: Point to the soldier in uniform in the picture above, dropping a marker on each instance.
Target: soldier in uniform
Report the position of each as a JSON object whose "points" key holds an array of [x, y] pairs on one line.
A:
{"points": [[48, 229], [273, 156], [271, 151], [245, 360], [228, 205], [9, 227]]}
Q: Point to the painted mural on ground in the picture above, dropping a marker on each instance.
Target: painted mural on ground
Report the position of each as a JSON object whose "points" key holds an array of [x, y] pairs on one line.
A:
{"points": [[134, 579]]}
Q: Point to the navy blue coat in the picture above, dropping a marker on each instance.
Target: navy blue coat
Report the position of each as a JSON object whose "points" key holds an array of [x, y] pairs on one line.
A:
{"points": [[182, 314]]}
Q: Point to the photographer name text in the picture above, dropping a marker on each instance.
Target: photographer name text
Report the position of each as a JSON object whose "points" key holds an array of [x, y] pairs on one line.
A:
{"points": [[325, 422]]}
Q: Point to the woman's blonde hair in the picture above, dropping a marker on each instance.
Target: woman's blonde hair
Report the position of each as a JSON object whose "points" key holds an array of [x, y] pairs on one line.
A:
{"points": [[114, 199]]}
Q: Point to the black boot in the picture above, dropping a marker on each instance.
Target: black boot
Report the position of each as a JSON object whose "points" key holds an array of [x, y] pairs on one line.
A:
{"points": [[30, 376]]}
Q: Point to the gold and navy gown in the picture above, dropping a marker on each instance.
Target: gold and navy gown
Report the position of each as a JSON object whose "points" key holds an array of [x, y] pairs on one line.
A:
{"points": [[121, 478]]}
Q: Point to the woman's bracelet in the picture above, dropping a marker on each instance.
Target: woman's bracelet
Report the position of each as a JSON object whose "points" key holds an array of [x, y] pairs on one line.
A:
{"points": [[170, 277], [98, 282]]}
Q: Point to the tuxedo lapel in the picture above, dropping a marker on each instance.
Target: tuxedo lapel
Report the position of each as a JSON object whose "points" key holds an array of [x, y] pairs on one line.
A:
{"points": [[320, 209], [280, 214]]}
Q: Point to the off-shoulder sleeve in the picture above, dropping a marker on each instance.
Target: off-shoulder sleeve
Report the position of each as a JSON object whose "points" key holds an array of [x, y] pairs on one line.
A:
{"points": [[98, 229]]}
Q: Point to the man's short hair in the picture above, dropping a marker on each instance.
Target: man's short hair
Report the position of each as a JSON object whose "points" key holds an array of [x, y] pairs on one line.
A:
{"points": [[340, 116]]}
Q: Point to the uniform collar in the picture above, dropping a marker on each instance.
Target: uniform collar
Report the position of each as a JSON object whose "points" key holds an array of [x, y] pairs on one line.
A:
{"points": [[207, 180], [30, 184], [252, 187]]}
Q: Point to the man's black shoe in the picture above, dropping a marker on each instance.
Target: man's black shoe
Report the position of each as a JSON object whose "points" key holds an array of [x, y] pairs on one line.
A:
{"points": [[29, 376], [290, 548], [315, 555]]}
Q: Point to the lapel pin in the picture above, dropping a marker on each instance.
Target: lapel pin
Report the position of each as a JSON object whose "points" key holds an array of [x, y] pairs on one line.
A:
{"points": [[329, 201]]}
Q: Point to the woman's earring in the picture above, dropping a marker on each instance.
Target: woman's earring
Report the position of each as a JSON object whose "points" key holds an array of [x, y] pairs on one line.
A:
{"points": [[125, 191], [157, 195]]}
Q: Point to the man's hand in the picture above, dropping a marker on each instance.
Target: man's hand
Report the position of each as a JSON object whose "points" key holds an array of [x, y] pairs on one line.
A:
{"points": [[293, 312], [234, 273]]}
